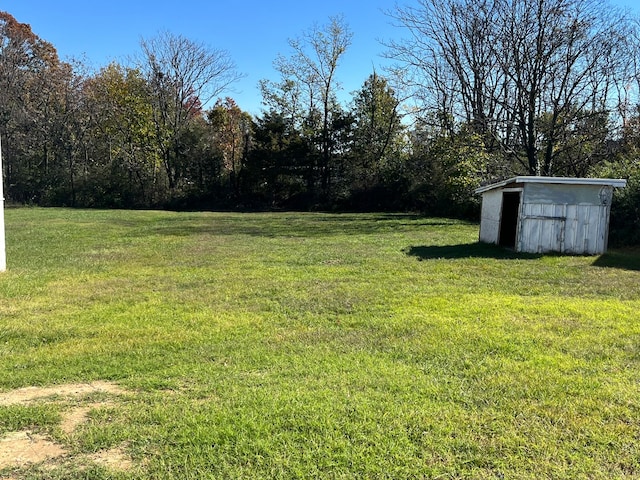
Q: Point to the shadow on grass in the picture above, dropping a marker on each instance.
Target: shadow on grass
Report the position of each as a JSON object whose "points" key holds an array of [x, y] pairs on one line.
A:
{"points": [[466, 250], [622, 259], [295, 224]]}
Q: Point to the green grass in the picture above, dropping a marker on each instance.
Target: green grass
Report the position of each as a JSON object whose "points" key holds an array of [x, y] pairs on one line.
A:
{"points": [[321, 346]]}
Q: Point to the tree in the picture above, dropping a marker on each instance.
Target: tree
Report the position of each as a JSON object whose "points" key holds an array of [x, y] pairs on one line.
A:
{"points": [[277, 165], [65, 123], [309, 78], [444, 171], [378, 132], [124, 147], [625, 163], [32, 81], [183, 76], [231, 129], [501, 66]]}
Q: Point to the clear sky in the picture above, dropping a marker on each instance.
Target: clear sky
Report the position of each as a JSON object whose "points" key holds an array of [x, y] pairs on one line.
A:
{"points": [[252, 31]]}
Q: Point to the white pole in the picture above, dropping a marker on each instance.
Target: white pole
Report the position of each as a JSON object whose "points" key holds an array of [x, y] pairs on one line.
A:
{"points": [[3, 250]]}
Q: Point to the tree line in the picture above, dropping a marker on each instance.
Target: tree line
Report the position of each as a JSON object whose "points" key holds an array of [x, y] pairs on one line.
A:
{"points": [[478, 90]]}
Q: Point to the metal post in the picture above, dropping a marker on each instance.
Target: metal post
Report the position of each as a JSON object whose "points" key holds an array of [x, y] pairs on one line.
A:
{"points": [[3, 250]]}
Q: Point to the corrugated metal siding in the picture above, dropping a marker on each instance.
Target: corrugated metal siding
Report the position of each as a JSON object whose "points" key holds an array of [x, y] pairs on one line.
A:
{"points": [[577, 229]]}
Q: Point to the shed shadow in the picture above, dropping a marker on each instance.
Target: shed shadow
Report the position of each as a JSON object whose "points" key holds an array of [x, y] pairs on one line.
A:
{"points": [[466, 250], [621, 259]]}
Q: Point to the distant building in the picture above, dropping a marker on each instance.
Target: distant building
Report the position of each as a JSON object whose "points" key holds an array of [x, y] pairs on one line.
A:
{"points": [[548, 214]]}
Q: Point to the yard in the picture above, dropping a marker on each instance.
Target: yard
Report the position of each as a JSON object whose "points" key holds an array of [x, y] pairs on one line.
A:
{"points": [[285, 345]]}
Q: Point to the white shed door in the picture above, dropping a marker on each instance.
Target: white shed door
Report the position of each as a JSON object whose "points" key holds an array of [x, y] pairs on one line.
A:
{"points": [[543, 228], [578, 229]]}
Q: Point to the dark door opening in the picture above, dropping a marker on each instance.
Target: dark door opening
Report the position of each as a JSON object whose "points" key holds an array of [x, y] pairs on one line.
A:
{"points": [[509, 219]]}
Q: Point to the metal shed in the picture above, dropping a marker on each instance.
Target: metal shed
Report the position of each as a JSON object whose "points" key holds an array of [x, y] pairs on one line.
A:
{"points": [[548, 214]]}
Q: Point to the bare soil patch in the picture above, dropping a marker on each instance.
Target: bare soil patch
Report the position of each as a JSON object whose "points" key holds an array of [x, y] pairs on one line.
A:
{"points": [[114, 459], [29, 394], [77, 416], [20, 449]]}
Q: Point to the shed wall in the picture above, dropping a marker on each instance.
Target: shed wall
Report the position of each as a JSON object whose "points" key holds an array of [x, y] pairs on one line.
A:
{"points": [[555, 218], [490, 216], [563, 194]]}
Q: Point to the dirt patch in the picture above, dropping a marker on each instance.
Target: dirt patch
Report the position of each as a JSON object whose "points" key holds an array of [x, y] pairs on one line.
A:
{"points": [[18, 449], [114, 459], [77, 416], [29, 394]]}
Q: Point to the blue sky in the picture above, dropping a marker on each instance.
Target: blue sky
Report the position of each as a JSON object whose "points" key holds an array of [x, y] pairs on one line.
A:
{"points": [[252, 31]]}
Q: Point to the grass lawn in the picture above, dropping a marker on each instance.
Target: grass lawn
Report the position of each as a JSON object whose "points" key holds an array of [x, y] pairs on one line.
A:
{"points": [[291, 345]]}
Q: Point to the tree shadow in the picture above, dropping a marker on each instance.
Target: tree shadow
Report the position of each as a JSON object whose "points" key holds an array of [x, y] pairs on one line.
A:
{"points": [[291, 224], [627, 259], [466, 250]]}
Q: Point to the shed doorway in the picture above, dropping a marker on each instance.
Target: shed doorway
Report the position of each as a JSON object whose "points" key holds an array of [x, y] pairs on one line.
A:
{"points": [[509, 219]]}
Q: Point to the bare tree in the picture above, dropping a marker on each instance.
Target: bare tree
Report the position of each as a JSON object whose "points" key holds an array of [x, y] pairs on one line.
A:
{"points": [[503, 66], [560, 57], [183, 76], [628, 84]]}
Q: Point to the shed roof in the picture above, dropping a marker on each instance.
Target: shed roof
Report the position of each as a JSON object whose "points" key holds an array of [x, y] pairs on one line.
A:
{"points": [[613, 182]]}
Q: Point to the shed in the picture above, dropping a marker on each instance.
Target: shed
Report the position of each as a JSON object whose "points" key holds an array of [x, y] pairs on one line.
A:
{"points": [[548, 214]]}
